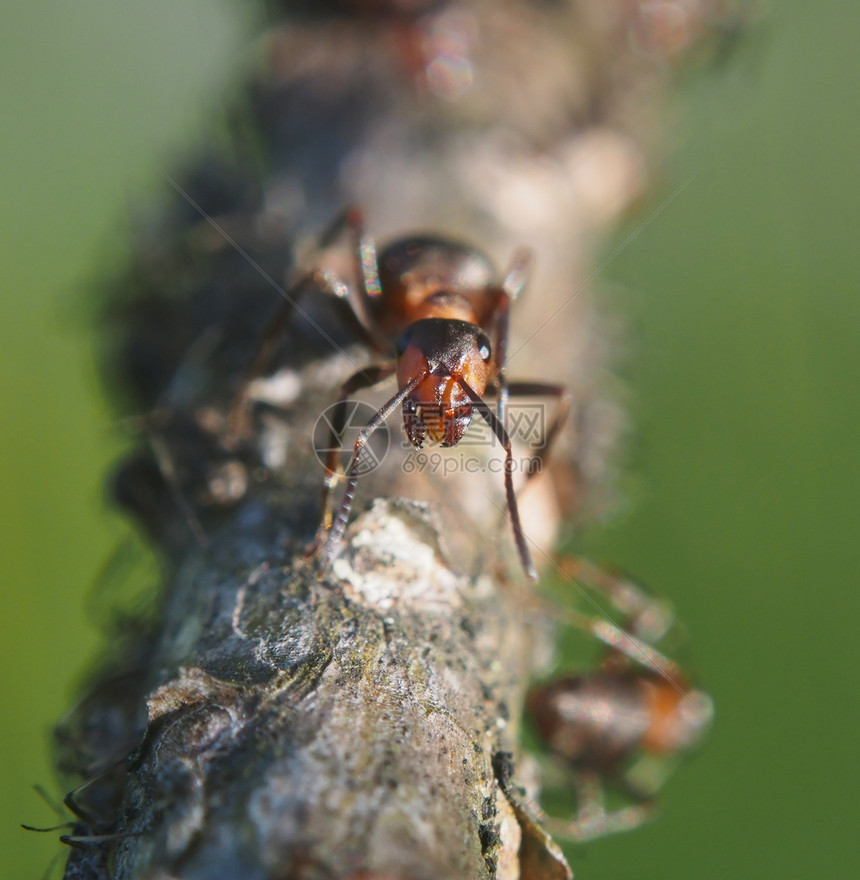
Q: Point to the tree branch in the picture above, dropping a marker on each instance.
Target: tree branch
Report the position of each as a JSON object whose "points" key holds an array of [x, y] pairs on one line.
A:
{"points": [[285, 720]]}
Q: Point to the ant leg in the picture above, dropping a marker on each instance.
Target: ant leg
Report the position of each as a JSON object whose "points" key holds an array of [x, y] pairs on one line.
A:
{"points": [[543, 389], [620, 641], [365, 378], [70, 799], [47, 830], [165, 462], [339, 525], [87, 841], [363, 299], [517, 276], [328, 282], [499, 430], [512, 285], [592, 819], [646, 617], [43, 794], [238, 418]]}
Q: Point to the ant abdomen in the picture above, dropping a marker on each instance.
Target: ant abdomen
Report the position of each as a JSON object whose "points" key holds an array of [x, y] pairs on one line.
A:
{"points": [[451, 264]]}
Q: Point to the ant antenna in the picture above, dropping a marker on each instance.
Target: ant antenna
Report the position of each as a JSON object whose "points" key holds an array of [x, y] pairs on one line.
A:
{"points": [[499, 430], [339, 525]]}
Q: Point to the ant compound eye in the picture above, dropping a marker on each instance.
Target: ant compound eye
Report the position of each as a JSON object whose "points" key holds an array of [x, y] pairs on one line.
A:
{"points": [[484, 349], [402, 342]]}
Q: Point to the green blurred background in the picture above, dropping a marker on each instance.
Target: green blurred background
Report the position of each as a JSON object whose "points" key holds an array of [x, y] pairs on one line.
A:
{"points": [[746, 478]]}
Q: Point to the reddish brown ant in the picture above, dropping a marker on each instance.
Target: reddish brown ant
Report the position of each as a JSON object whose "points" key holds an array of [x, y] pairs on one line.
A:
{"points": [[605, 724], [437, 303], [436, 310]]}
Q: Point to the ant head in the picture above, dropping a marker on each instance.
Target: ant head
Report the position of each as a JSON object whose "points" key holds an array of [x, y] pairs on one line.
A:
{"points": [[446, 353]]}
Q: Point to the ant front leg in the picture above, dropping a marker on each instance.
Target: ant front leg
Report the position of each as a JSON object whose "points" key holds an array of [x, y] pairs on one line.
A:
{"points": [[238, 418], [362, 298], [512, 287]]}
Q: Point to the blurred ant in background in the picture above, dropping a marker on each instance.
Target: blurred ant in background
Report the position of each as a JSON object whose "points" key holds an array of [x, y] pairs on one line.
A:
{"points": [[623, 725]]}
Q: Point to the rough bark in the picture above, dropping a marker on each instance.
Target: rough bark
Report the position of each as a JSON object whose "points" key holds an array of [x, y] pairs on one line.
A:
{"points": [[283, 720]]}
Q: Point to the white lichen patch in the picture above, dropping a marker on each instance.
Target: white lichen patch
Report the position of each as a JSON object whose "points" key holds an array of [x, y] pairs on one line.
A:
{"points": [[393, 556], [280, 389]]}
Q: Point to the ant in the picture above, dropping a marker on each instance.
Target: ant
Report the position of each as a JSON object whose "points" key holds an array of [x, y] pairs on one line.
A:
{"points": [[84, 827], [635, 712], [436, 312]]}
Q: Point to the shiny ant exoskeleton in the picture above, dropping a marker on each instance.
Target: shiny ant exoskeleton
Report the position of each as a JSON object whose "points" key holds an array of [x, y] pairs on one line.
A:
{"points": [[435, 309], [439, 302], [603, 725]]}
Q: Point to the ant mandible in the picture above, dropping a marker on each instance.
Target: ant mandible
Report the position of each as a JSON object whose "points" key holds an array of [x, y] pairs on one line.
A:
{"points": [[436, 306]]}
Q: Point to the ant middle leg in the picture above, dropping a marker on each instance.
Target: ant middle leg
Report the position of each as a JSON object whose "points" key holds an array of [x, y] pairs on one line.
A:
{"points": [[543, 389]]}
